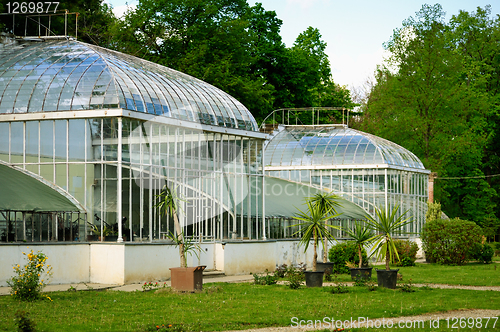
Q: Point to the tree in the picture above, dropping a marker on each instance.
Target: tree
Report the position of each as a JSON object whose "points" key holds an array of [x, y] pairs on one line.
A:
{"points": [[168, 204], [207, 39], [326, 203], [313, 226], [95, 22], [437, 96]]}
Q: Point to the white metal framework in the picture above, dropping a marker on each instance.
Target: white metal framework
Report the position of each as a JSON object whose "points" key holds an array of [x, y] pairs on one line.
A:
{"points": [[362, 168], [111, 130]]}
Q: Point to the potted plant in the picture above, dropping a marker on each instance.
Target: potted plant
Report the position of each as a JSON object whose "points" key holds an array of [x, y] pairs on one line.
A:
{"points": [[313, 227], [182, 278], [361, 235], [384, 225], [325, 202]]}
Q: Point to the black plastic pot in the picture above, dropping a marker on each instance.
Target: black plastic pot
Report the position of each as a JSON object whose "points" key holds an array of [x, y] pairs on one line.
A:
{"points": [[320, 266], [387, 278], [314, 279], [361, 273]]}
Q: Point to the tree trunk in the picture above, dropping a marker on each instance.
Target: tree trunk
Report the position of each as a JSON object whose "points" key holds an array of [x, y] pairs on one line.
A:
{"points": [[180, 238], [360, 255], [325, 247], [315, 252], [387, 256]]}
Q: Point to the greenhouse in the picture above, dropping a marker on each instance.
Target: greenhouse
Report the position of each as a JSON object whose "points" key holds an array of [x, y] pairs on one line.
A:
{"points": [[90, 137], [107, 131], [366, 170]]}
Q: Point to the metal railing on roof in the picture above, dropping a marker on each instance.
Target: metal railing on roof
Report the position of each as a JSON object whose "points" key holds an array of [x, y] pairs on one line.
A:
{"points": [[305, 116]]}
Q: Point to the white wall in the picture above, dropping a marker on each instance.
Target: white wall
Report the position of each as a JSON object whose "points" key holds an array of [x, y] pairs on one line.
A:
{"points": [[249, 257], [70, 263], [115, 263], [107, 263]]}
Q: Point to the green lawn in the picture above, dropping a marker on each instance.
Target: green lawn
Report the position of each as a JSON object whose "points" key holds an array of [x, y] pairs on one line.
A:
{"points": [[242, 306], [472, 274]]}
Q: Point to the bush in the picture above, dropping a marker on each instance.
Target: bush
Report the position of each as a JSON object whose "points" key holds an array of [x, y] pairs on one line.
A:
{"points": [[450, 241], [407, 252], [27, 284], [295, 277], [268, 279], [482, 252], [344, 252]]}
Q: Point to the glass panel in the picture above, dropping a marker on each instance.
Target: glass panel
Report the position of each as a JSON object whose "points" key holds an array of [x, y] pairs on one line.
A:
{"points": [[4, 141], [32, 141], [61, 140], [16, 142], [77, 140]]}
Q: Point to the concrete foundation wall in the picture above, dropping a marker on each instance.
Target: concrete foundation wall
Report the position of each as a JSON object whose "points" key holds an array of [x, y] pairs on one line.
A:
{"points": [[70, 263], [249, 257], [118, 263]]}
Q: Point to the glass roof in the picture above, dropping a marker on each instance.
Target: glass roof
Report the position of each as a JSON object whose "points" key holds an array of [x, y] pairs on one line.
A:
{"points": [[336, 145], [71, 75]]}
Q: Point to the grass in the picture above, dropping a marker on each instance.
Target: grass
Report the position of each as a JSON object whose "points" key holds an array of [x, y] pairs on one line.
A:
{"points": [[242, 306], [231, 306], [472, 274]]}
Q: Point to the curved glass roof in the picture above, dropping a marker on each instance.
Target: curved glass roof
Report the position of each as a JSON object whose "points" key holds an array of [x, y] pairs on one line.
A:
{"points": [[335, 145], [70, 75]]}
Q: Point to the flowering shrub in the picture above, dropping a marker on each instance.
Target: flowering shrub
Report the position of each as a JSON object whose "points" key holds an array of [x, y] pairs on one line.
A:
{"points": [[27, 284]]}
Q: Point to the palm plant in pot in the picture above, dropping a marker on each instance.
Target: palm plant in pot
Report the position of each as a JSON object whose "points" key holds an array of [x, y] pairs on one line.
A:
{"points": [[361, 235], [182, 278], [313, 227], [385, 225], [325, 202]]}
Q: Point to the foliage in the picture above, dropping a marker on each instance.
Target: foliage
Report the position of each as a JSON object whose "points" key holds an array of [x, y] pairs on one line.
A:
{"points": [[235, 47], [267, 279], [450, 241], [385, 225], [339, 287], [313, 226], [328, 274], [407, 287], [327, 203], [24, 322], [344, 252], [150, 286], [482, 252], [407, 252], [441, 84], [433, 211], [295, 277], [28, 282], [281, 271], [361, 235], [168, 203]]}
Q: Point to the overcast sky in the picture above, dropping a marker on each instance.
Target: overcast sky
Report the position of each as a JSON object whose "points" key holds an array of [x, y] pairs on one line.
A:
{"points": [[353, 30]]}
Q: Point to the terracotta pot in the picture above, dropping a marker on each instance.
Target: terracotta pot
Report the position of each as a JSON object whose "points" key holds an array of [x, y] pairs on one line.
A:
{"points": [[187, 279]]}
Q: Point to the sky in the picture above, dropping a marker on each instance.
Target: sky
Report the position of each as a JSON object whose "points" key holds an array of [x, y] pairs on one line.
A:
{"points": [[354, 30]]}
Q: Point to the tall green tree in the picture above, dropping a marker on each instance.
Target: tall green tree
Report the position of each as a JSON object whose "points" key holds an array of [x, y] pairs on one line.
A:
{"points": [[208, 39], [94, 23], [436, 96]]}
